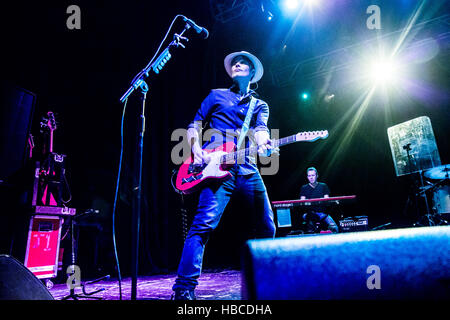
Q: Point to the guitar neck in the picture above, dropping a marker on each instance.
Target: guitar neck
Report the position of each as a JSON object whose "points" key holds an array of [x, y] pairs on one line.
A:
{"points": [[240, 154], [51, 141]]}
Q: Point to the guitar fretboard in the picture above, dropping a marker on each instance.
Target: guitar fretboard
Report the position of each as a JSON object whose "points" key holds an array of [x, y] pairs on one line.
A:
{"points": [[240, 154]]}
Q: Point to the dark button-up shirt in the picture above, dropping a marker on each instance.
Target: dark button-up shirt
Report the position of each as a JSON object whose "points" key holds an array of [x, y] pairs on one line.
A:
{"points": [[224, 111]]}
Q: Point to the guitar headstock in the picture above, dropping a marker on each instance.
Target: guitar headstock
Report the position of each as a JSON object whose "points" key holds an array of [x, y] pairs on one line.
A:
{"points": [[49, 121], [311, 135]]}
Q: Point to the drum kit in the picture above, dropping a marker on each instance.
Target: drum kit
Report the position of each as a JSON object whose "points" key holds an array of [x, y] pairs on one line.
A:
{"points": [[415, 154], [439, 188]]}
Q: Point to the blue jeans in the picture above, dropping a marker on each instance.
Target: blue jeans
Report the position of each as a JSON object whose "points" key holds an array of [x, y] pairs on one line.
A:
{"points": [[212, 203], [314, 217]]}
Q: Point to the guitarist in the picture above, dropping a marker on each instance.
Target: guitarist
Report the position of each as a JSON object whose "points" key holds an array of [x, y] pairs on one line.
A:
{"points": [[225, 111]]}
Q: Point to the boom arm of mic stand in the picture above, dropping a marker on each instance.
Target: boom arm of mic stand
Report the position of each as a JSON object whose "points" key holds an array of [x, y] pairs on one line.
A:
{"points": [[156, 66]]}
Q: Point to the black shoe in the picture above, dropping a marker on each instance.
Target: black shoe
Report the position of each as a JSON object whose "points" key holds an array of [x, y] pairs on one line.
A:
{"points": [[184, 294], [334, 228]]}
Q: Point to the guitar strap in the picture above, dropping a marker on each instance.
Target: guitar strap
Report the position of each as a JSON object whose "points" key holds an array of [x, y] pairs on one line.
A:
{"points": [[245, 125]]}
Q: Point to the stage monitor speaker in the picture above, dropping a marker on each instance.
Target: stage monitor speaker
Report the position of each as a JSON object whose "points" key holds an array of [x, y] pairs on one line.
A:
{"points": [[410, 263], [16, 115], [18, 283]]}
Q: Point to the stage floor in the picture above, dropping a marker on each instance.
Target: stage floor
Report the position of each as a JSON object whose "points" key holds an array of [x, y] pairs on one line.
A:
{"points": [[213, 285]]}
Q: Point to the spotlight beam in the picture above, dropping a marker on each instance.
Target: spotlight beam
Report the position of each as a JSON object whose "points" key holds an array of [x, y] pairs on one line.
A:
{"points": [[342, 146], [408, 28], [335, 153]]}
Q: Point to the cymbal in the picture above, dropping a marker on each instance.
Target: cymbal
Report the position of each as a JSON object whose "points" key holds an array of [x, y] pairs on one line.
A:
{"points": [[441, 172]]}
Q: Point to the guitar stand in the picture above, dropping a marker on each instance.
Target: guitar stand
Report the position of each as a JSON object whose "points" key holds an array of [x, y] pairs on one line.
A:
{"points": [[85, 295]]}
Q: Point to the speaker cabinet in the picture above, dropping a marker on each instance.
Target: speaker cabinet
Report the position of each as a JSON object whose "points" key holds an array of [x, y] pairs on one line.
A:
{"points": [[16, 114], [410, 263], [18, 283]]}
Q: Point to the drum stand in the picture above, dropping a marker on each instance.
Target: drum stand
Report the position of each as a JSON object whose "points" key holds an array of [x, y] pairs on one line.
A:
{"points": [[430, 219]]}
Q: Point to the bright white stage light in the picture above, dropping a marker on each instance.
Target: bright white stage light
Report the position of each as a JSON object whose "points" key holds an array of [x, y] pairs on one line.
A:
{"points": [[291, 4], [294, 7], [384, 71]]}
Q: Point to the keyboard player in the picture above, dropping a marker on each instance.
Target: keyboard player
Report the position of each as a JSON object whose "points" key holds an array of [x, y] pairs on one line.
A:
{"points": [[315, 214]]}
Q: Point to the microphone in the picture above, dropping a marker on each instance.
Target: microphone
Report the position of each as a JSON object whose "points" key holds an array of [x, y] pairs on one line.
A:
{"points": [[197, 28]]}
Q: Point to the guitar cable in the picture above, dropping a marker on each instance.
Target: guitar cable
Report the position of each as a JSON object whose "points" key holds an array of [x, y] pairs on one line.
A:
{"points": [[184, 217], [119, 276]]}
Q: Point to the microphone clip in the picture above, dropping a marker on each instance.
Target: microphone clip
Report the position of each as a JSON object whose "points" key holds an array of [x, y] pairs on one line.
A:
{"points": [[177, 39]]}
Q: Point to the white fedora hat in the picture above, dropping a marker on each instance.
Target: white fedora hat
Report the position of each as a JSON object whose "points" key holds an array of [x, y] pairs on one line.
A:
{"points": [[259, 70]]}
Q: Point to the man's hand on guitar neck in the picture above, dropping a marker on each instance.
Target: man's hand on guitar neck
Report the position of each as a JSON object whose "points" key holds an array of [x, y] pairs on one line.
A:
{"points": [[265, 148]]}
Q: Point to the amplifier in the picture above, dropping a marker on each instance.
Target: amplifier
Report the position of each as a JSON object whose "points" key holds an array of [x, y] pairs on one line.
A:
{"points": [[351, 224]]}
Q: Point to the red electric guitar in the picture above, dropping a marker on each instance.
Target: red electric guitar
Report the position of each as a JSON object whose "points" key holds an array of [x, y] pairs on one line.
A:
{"points": [[191, 176]]}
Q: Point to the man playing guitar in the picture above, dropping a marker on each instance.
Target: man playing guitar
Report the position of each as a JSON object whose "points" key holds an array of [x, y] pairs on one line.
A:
{"points": [[225, 111]]}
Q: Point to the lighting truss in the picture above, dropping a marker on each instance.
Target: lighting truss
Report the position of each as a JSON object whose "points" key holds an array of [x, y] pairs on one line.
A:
{"points": [[227, 10], [343, 58]]}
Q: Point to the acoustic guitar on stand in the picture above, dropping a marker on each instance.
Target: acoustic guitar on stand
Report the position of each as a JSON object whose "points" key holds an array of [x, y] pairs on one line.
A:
{"points": [[191, 176]]}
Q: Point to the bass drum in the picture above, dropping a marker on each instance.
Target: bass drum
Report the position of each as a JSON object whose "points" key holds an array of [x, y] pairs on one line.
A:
{"points": [[441, 200]]}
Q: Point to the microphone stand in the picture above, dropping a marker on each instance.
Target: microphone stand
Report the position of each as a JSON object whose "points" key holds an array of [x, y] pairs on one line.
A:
{"points": [[139, 82], [157, 65]]}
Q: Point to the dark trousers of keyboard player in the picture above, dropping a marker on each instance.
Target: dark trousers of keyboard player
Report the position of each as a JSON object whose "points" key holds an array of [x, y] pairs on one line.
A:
{"points": [[317, 214]]}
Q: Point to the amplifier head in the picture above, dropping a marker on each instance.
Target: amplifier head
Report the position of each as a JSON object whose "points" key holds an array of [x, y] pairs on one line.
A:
{"points": [[351, 224]]}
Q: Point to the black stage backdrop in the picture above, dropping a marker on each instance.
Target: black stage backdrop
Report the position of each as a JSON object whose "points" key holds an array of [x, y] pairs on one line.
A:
{"points": [[81, 74]]}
